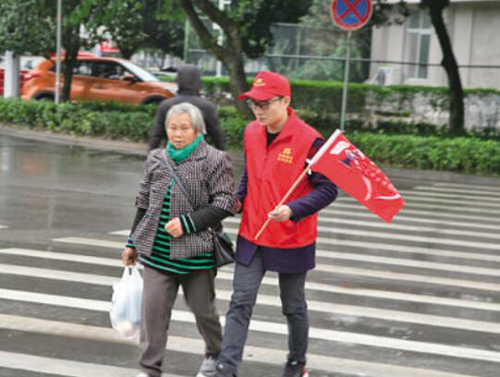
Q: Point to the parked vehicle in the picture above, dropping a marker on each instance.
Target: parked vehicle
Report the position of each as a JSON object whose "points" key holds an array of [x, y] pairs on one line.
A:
{"points": [[22, 75], [98, 78], [27, 63]]}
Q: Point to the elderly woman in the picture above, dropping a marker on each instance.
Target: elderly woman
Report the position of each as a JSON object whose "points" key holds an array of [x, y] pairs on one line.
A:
{"points": [[172, 240]]}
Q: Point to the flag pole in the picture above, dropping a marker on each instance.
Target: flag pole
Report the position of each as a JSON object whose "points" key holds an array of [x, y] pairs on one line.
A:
{"points": [[289, 192]]}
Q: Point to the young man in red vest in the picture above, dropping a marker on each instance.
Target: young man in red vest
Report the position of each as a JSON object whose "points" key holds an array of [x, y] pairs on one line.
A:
{"points": [[277, 145]]}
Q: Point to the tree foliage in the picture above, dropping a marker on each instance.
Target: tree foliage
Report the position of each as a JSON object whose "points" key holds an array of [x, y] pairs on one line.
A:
{"points": [[26, 32], [163, 23], [134, 24], [246, 26], [123, 21]]}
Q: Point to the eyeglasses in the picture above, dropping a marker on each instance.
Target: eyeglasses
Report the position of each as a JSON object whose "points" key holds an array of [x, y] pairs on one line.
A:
{"points": [[262, 105]]}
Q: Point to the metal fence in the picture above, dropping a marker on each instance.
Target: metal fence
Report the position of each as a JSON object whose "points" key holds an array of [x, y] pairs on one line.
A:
{"points": [[303, 52]]}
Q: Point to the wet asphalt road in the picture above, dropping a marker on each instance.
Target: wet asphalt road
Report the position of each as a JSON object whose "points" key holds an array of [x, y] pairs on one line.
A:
{"points": [[420, 297]]}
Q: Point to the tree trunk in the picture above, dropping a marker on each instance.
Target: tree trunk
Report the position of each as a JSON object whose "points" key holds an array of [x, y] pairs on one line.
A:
{"points": [[238, 83], [71, 45], [70, 59], [231, 54], [126, 51], [450, 65]]}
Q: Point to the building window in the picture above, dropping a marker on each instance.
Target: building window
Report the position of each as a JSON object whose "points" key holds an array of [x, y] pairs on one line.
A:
{"points": [[418, 38]]}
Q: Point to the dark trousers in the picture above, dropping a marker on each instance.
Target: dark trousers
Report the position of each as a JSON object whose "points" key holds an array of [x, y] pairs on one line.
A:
{"points": [[246, 285], [160, 292]]}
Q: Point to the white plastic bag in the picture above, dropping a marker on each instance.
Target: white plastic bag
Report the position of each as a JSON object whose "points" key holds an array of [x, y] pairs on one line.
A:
{"points": [[125, 311]]}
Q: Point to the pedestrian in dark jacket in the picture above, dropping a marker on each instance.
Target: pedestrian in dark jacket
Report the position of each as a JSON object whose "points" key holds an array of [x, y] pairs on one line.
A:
{"points": [[189, 82], [171, 237]]}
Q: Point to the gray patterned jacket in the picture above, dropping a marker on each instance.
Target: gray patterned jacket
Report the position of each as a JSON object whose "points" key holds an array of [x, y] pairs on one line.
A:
{"points": [[206, 174]]}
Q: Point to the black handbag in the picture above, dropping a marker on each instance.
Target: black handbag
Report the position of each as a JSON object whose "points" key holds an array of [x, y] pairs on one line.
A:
{"points": [[223, 249], [223, 246]]}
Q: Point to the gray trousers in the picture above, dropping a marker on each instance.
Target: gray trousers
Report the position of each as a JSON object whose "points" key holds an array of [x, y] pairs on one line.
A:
{"points": [[160, 292], [246, 283]]}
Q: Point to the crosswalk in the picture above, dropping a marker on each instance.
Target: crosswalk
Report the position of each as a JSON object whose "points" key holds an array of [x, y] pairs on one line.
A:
{"points": [[416, 298]]}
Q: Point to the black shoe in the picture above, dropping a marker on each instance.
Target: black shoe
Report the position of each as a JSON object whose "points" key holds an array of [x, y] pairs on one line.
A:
{"points": [[221, 371], [295, 369]]}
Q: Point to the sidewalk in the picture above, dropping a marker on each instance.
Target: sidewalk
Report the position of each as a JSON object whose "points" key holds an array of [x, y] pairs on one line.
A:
{"points": [[118, 146], [135, 148]]}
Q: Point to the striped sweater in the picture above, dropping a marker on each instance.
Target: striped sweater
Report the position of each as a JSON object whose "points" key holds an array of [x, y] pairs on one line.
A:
{"points": [[160, 256]]}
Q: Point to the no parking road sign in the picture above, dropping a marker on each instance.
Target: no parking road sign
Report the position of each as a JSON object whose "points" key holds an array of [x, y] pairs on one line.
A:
{"points": [[351, 14]]}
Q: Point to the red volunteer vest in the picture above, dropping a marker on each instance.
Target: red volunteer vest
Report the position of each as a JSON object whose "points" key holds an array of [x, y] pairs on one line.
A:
{"points": [[271, 172]]}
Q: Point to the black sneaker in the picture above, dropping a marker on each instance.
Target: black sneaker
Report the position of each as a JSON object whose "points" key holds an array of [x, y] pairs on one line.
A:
{"points": [[221, 371], [295, 369]]}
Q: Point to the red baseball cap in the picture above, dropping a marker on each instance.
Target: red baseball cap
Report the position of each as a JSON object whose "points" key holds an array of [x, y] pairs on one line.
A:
{"points": [[266, 85]]}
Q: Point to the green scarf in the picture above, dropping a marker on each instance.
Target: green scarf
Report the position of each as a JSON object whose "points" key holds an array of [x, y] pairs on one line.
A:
{"points": [[180, 154]]}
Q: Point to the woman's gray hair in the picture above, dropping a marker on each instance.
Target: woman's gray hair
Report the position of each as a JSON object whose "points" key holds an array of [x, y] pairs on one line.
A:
{"points": [[193, 112]]}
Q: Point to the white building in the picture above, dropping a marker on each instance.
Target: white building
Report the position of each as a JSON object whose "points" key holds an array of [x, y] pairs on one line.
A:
{"points": [[474, 29]]}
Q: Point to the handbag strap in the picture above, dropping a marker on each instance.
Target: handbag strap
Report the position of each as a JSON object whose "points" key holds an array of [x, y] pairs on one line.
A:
{"points": [[181, 186], [177, 179]]}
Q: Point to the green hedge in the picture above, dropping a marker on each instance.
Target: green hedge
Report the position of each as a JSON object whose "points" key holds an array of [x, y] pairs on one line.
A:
{"points": [[116, 121], [461, 154], [80, 119]]}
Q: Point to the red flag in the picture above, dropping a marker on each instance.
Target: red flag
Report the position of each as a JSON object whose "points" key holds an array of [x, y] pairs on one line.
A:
{"points": [[355, 174]]}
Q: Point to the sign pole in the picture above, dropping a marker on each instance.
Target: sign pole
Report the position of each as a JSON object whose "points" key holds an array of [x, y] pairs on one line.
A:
{"points": [[346, 81], [349, 15], [58, 52]]}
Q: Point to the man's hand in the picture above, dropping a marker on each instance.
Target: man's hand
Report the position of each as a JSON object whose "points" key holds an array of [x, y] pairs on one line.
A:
{"points": [[174, 227], [281, 213], [129, 256]]}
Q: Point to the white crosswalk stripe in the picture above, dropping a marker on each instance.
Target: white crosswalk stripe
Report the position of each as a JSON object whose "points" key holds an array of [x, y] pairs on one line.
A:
{"points": [[445, 209], [491, 197], [60, 367], [433, 189], [260, 354], [452, 186], [225, 274], [395, 292]]}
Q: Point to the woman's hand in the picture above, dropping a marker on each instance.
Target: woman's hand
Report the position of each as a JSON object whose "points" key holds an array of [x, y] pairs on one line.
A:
{"points": [[129, 256], [281, 213], [174, 227]]}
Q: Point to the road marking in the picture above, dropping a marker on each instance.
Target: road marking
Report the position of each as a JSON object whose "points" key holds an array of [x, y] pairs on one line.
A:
{"points": [[3, 227], [61, 367], [415, 200], [456, 268], [453, 212], [466, 186], [333, 208], [394, 248], [113, 262], [91, 242], [392, 227], [401, 219], [251, 353], [437, 231], [451, 196], [390, 236], [452, 191], [116, 262], [483, 271], [227, 275], [406, 213], [267, 300], [386, 275], [353, 232]]}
